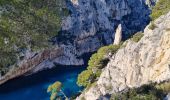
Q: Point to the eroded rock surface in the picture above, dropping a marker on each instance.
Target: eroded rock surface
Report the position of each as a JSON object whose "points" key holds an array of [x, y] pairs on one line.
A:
{"points": [[92, 24], [118, 35], [137, 63]]}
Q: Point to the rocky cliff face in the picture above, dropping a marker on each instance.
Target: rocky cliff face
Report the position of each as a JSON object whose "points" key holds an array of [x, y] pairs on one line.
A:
{"points": [[137, 63], [92, 24]]}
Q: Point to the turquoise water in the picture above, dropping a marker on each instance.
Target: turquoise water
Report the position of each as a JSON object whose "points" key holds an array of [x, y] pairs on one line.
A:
{"points": [[34, 87]]}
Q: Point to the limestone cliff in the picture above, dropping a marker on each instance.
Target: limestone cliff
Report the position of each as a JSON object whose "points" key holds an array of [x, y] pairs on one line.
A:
{"points": [[137, 63], [90, 25], [93, 23], [118, 35]]}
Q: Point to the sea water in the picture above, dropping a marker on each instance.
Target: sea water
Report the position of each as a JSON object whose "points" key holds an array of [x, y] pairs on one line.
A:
{"points": [[34, 87]]}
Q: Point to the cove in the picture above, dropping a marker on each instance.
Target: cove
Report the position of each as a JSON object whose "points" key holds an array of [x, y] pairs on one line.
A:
{"points": [[34, 87]]}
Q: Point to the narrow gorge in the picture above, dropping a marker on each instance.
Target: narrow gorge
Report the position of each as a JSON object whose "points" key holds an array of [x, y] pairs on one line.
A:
{"points": [[91, 25], [124, 44]]}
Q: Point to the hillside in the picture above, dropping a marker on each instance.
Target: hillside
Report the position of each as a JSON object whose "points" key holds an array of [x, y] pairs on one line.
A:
{"points": [[136, 64], [42, 38], [27, 26], [130, 40]]}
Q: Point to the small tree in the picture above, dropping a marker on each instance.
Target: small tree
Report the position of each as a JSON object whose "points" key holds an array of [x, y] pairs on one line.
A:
{"points": [[85, 78], [96, 63], [55, 89]]}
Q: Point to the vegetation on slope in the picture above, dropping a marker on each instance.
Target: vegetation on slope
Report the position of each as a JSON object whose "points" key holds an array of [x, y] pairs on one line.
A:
{"points": [[99, 60], [96, 63], [137, 37], [27, 25], [55, 90], [161, 8], [152, 26], [145, 92]]}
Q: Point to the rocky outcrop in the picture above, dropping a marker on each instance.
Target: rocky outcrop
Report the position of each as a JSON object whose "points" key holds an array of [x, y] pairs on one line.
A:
{"points": [[136, 63], [118, 35], [45, 59]]}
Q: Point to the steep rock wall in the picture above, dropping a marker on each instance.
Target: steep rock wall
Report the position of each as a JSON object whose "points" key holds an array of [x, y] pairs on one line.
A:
{"points": [[91, 25], [137, 63]]}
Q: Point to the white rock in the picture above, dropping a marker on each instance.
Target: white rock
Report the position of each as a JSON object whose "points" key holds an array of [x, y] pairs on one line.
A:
{"points": [[137, 63], [118, 35]]}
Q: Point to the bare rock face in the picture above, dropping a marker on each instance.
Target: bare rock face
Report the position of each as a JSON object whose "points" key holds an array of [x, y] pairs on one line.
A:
{"points": [[137, 63], [32, 62], [118, 35], [91, 17], [90, 25]]}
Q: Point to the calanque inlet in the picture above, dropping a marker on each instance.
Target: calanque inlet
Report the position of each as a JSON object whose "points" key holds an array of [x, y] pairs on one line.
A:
{"points": [[84, 49]]}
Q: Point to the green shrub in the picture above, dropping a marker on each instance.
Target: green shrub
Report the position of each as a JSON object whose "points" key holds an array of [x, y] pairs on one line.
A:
{"points": [[54, 90], [145, 92], [90, 85], [6, 59], [85, 78], [165, 87], [161, 8], [98, 73], [118, 97], [97, 62], [137, 37], [99, 59], [152, 26]]}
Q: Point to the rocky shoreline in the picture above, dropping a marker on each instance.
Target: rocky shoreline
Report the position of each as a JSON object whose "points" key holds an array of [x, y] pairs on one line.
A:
{"points": [[29, 64]]}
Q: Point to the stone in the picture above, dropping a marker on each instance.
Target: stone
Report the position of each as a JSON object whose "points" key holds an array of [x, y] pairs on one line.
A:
{"points": [[118, 35], [136, 64], [90, 26]]}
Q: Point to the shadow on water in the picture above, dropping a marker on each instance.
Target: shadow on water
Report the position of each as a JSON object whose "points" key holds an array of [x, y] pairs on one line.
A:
{"points": [[38, 78], [36, 85]]}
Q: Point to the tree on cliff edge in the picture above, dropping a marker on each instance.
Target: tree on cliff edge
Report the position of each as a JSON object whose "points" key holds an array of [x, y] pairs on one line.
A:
{"points": [[55, 90]]}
